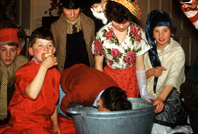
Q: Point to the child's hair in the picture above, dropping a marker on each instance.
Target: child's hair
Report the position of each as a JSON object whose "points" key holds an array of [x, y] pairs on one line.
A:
{"points": [[117, 12], [41, 33], [13, 44], [115, 99], [70, 4]]}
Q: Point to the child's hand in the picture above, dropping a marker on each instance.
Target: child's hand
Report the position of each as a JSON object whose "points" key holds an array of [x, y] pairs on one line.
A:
{"points": [[96, 4], [49, 61], [157, 71], [159, 103]]}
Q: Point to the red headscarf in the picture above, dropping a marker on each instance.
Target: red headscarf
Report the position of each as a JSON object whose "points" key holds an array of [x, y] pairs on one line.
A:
{"points": [[9, 35]]}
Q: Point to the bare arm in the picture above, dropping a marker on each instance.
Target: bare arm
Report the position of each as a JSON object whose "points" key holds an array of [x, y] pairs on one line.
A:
{"points": [[99, 63], [140, 62], [159, 102], [34, 88]]}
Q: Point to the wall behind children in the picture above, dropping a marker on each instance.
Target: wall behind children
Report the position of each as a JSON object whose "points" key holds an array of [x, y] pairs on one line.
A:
{"points": [[30, 13]]}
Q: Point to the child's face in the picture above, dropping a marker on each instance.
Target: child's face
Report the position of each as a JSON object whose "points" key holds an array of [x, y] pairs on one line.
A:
{"points": [[121, 26], [162, 35], [8, 54], [40, 47], [71, 14]]}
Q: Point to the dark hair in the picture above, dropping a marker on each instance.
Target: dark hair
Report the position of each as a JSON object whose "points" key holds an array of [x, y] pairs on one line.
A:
{"points": [[70, 4], [115, 99], [13, 44], [41, 33], [118, 13]]}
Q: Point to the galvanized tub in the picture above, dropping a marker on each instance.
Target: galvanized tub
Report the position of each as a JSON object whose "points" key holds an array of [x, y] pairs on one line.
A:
{"points": [[88, 120]]}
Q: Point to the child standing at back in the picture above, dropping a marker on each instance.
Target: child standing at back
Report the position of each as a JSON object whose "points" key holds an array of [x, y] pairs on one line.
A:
{"points": [[10, 61], [33, 105], [164, 64]]}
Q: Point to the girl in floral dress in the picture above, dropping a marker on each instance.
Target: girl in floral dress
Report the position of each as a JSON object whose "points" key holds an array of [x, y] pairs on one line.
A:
{"points": [[122, 44]]}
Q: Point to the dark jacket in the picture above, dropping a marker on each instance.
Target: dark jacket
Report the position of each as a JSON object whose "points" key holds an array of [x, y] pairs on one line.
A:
{"points": [[58, 28]]}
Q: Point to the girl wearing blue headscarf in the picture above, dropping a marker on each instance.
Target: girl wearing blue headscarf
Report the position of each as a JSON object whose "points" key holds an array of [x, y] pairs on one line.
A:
{"points": [[164, 65]]}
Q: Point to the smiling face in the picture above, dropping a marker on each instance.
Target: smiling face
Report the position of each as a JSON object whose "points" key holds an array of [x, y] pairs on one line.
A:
{"points": [[8, 53], [121, 26], [162, 35], [40, 47], [71, 14]]}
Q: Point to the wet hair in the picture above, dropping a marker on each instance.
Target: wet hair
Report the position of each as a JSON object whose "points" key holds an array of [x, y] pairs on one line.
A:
{"points": [[115, 99], [41, 33], [70, 4], [117, 12]]}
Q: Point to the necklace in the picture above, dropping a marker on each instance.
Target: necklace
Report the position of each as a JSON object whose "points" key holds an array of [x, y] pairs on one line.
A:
{"points": [[120, 35]]}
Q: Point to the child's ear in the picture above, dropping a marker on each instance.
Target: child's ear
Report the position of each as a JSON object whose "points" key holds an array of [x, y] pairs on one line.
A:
{"points": [[99, 103], [54, 50], [30, 50], [18, 50]]}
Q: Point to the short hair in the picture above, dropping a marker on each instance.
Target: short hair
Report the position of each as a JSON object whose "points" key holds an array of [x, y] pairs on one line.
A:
{"points": [[117, 12], [115, 99], [13, 44], [42, 33], [70, 4]]}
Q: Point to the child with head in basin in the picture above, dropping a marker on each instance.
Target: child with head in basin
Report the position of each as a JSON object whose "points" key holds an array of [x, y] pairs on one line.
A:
{"points": [[10, 61], [33, 105], [164, 64]]}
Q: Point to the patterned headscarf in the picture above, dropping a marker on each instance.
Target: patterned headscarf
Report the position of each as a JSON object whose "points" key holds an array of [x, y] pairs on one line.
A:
{"points": [[131, 6], [155, 18]]}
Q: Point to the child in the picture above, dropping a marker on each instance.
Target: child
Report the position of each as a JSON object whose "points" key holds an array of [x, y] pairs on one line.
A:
{"points": [[122, 43], [73, 34], [33, 105], [88, 87], [84, 85], [10, 61], [164, 65]]}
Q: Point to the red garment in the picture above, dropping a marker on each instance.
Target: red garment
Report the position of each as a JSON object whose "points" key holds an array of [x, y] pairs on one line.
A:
{"points": [[126, 79], [32, 116], [66, 125], [82, 85], [192, 15]]}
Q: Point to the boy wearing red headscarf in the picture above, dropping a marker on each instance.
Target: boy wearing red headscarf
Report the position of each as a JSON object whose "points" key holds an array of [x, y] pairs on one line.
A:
{"points": [[10, 61]]}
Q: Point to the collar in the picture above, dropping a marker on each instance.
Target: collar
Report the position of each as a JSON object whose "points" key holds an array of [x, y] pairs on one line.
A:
{"points": [[69, 25]]}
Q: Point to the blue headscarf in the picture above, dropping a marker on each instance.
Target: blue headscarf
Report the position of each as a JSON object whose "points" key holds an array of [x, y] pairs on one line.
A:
{"points": [[155, 18]]}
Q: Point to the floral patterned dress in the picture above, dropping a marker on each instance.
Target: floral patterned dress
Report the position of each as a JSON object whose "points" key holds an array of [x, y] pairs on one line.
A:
{"points": [[120, 57]]}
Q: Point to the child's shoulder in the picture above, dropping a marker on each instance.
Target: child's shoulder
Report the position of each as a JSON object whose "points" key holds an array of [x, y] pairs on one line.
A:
{"points": [[28, 66], [133, 24], [21, 59]]}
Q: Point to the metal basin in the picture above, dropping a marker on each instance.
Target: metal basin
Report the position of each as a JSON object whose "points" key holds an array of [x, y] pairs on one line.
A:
{"points": [[88, 120]]}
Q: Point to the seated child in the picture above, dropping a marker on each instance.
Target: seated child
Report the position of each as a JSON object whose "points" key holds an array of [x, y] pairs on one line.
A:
{"points": [[33, 105], [10, 61]]}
